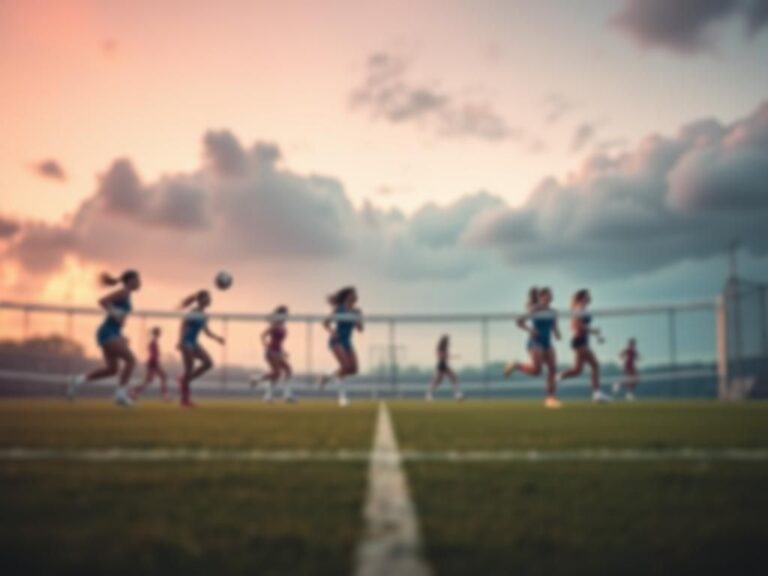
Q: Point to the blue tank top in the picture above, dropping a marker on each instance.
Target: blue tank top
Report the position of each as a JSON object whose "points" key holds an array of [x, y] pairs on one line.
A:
{"points": [[123, 305], [194, 322], [344, 328], [543, 327]]}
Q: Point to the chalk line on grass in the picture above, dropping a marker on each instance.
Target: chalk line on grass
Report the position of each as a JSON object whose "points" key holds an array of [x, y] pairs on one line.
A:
{"points": [[382, 456], [392, 542]]}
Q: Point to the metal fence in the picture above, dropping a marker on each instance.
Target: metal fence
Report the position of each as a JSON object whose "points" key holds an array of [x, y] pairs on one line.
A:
{"points": [[678, 344], [743, 354]]}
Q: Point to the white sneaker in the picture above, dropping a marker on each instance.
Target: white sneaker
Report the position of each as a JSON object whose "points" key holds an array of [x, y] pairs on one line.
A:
{"points": [[343, 400], [616, 387], [268, 396], [73, 385], [598, 396], [122, 398], [459, 396], [429, 397], [291, 399], [630, 397]]}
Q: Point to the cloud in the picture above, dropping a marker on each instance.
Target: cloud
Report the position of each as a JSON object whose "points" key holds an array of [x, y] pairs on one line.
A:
{"points": [[240, 206], [49, 168], [386, 94], [667, 201], [686, 26], [670, 200], [8, 228]]}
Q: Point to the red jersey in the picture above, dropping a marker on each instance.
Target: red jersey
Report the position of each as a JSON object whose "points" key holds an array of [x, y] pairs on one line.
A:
{"points": [[277, 334], [630, 357], [154, 353]]}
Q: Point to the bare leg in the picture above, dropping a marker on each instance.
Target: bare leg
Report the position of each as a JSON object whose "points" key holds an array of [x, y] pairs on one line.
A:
{"points": [[163, 381], [590, 359], [577, 368], [550, 363], [110, 367]]}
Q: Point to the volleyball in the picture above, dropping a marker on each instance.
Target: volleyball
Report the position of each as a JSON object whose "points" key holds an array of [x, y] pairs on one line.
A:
{"points": [[223, 280]]}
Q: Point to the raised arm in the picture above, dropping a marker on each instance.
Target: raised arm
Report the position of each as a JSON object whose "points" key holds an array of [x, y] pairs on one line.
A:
{"points": [[212, 335]]}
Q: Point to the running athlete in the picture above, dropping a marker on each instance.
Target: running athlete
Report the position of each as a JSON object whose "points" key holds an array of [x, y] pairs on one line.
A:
{"points": [[109, 336], [194, 322], [340, 341], [630, 357], [153, 368], [581, 326], [273, 339], [444, 370], [541, 328]]}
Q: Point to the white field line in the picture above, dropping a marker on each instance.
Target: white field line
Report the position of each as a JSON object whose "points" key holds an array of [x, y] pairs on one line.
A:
{"points": [[392, 543], [383, 456]]}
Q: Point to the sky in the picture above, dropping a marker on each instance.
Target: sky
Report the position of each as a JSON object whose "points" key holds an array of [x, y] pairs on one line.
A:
{"points": [[440, 155]]}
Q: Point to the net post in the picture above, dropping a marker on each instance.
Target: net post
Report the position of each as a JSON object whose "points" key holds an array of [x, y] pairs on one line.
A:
{"points": [[308, 349], [70, 325], [764, 318], [25, 323], [721, 326], [393, 360], [484, 344], [672, 338], [225, 334]]}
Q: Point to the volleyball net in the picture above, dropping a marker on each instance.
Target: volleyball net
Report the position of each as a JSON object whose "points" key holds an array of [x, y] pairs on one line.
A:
{"points": [[703, 348]]}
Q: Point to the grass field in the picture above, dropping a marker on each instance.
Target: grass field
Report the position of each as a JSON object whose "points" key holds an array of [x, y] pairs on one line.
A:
{"points": [[305, 517]]}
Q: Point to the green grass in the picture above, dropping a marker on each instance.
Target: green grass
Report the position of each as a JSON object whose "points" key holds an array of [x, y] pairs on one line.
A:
{"points": [[587, 517], [306, 517], [522, 425], [188, 519], [215, 424]]}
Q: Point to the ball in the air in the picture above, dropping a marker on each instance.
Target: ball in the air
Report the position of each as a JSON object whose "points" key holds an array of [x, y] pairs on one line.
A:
{"points": [[223, 280]]}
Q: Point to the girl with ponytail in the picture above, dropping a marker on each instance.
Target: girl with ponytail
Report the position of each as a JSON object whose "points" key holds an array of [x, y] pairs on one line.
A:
{"points": [[194, 322], [340, 341], [109, 336], [273, 340]]}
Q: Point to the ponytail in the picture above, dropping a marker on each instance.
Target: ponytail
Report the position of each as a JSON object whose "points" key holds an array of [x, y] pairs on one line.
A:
{"points": [[193, 298], [338, 298], [533, 296], [107, 279], [579, 297]]}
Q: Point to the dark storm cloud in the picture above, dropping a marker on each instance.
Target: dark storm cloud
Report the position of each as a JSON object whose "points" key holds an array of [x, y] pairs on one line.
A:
{"points": [[669, 200], [8, 228], [41, 248], [242, 206], [686, 26], [50, 168], [387, 94]]}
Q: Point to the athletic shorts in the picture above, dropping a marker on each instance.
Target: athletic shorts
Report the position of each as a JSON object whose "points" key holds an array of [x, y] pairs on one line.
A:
{"points": [[271, 355], [345, 343], [579, 342], [543, 345], [106, 332]]}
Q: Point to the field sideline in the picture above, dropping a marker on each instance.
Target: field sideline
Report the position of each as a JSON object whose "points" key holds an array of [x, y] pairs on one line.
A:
{"points": [[496, 486]]}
